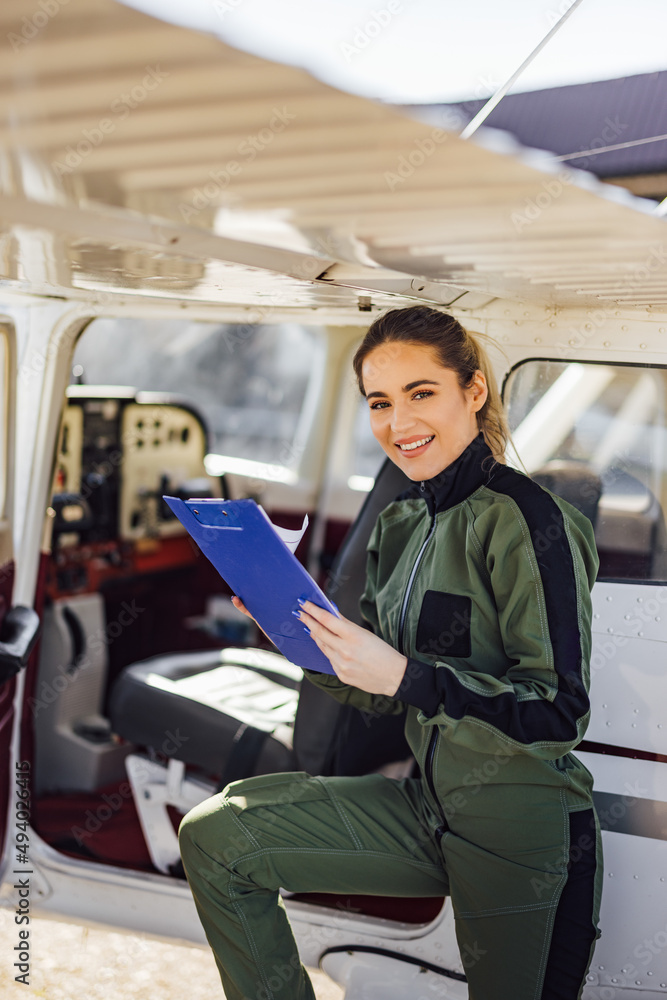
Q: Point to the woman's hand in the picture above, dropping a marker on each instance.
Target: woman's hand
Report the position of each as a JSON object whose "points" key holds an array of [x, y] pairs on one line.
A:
{"points": [[359, 658], [240, 606]]}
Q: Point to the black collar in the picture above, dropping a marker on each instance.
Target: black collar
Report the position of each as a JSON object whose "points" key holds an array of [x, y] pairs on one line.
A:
{"points": [[473, 468]]}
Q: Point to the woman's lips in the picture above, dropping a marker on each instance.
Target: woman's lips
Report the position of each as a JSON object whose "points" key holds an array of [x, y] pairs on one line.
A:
{"points": [[415, 447]]}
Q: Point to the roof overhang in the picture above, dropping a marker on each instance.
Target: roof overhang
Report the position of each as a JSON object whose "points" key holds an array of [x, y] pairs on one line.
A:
{"points": [[150, 160]]}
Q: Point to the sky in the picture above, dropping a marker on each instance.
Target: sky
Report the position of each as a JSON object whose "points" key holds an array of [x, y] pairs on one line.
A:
{"points": [[436, 51]]}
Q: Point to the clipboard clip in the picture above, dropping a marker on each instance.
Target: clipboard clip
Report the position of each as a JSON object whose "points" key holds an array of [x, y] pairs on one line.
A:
{"points": [[210, 514]]}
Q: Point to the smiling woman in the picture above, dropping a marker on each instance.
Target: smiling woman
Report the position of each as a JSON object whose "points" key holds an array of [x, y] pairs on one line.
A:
{"points": [[484, 634]]}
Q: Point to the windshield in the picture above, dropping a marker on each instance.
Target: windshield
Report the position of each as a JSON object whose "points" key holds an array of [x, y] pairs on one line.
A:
{"points": [[252, 384]]}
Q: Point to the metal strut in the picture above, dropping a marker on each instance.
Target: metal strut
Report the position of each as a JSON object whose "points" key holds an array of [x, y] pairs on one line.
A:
{"points": [[485, 111]]}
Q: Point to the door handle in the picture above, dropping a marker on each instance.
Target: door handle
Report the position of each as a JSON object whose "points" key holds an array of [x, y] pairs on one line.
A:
{"points": [[18, 635]]}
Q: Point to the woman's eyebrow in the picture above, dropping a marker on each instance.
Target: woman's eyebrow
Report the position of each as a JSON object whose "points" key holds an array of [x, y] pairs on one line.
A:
{"points": [[406, 388], [420, 381]]}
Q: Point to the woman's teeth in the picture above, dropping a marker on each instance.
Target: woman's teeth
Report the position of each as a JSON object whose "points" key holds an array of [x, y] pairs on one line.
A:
{"points": [[416, 444]]}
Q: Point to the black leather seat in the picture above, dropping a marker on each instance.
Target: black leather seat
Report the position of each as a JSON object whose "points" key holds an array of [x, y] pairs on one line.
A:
{"points": [[225, 711], [575, 482], [628, 519]]}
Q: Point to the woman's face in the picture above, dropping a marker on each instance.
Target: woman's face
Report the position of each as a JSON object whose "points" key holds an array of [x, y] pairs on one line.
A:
{"points": [[419, 413]]}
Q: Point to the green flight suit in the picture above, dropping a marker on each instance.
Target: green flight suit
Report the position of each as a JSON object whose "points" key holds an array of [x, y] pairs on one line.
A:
{"points": [[483, 580]]}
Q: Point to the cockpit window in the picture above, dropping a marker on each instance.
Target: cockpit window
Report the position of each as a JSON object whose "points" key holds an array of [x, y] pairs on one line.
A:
{"points": [[595, 435], [254, 385]]}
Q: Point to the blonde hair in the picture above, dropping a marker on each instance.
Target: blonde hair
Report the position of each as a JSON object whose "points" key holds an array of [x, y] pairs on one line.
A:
{"points": [[455, 348]]}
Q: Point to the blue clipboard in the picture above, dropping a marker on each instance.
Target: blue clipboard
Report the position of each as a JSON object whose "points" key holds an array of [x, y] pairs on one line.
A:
{"points": [[254, 561]]}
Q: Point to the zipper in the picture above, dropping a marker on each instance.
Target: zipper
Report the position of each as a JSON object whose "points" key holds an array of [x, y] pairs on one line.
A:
{"points": [[428, 770], [430, 753], [408, 589]]}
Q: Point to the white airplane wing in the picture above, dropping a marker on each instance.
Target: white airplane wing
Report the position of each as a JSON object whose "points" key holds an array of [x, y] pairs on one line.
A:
{"points": [[143, 158]]}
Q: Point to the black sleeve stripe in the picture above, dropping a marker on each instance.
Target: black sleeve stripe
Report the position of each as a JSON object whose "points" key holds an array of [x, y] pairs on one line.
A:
{"points": [[536, 721]]}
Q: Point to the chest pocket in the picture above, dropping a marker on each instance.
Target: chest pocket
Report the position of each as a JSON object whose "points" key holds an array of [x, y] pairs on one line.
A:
{"points": [[444, 624]]}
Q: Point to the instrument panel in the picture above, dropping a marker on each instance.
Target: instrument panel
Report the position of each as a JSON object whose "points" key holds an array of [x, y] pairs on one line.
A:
{"points": [[118, 452]]}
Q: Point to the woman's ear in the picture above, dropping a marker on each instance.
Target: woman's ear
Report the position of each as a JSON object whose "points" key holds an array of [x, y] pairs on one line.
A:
{"points": [[479, 391]]}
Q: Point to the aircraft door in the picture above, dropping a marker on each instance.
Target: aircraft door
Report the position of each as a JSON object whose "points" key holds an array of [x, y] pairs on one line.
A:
{"points": [[18, 625], [594, 434]]}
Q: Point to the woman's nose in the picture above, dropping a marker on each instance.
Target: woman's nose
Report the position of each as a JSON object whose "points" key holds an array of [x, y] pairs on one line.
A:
{"points": [[401, 418]]}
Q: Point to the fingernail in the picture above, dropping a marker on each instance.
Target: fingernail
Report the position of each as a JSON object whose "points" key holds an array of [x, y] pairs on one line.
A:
{"points": [[306, 630], [297, 614], [301, 600]]}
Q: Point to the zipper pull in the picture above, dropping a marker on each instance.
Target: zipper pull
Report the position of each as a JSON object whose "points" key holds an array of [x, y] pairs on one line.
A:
{"points": [[422, 487]]}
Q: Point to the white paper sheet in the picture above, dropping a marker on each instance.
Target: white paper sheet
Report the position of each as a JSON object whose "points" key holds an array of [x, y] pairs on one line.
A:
{"points": [[290, 536]]}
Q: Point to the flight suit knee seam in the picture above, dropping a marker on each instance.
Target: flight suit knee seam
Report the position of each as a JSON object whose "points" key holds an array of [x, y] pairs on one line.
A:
{"points": [[244, 830], [249, 935], [327, 852], [258, 785], [343, 815], [504, 910]]}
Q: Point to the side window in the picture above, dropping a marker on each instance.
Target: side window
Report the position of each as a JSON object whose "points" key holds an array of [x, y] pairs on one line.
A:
{"points": [[595, 435], [256, 386]]}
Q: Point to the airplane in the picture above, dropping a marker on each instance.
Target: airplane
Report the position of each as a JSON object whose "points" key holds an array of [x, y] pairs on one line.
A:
{"points": [[194, 239]]}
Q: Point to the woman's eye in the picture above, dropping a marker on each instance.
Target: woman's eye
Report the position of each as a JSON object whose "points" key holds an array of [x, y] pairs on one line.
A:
{"points": [[380, 405], [423, 393]]}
